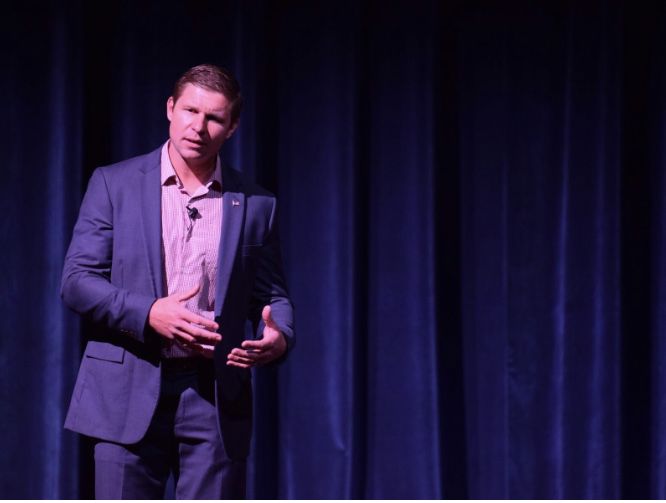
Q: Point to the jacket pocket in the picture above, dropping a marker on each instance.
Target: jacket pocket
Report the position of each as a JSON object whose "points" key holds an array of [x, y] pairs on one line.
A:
{"points": [[105, 351]]}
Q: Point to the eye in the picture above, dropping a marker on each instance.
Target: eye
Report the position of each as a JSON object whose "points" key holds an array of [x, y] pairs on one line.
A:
{"points": [[216, 119]]}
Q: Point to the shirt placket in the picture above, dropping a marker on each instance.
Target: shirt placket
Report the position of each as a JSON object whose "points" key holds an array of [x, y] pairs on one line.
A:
{"points": [[193, 255]]}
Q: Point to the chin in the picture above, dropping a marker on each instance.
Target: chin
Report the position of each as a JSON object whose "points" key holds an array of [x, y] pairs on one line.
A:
{"points": [[195, 153], [198, 158]]}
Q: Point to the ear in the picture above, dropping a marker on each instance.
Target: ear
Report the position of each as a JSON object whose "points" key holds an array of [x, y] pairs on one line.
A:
{"points": [[169, 108], [232, 129]]}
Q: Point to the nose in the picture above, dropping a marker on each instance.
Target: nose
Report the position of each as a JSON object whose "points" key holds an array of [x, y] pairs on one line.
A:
{"points": [[199, 123]]}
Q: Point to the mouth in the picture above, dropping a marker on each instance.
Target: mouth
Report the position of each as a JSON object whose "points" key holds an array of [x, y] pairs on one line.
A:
{"points": [[198, 143]]}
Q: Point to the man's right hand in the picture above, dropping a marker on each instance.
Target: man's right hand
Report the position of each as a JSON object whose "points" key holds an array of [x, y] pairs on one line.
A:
{"points": [[173, 321]]}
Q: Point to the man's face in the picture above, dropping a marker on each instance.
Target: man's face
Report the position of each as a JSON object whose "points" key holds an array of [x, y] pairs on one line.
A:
{"points": [[200, 124]]}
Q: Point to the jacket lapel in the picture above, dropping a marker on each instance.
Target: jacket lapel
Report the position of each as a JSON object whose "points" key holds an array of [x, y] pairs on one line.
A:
{"points": [[151, 218], [233, 213]]}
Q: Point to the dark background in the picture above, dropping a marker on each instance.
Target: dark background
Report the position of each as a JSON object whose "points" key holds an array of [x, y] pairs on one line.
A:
{"points": [[472, 216]]}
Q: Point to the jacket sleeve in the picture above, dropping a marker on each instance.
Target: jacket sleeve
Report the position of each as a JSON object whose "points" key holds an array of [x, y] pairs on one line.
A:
{"points": [[86, 280], [270, 286]]}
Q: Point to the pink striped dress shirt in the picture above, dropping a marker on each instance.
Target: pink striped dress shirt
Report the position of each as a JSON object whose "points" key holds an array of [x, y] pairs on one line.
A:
{"points": [[190, 241]]}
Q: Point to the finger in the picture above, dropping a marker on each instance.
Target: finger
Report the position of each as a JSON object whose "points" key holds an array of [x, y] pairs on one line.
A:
{"points": [[189, 294], [200, 320], [182, 336], [240, 359], [198, 334], [268, 317], [250, 354], [204, 336], [256, 344]]}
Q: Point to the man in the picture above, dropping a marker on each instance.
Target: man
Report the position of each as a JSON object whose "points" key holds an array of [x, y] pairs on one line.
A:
{"points": [[171, 254]]}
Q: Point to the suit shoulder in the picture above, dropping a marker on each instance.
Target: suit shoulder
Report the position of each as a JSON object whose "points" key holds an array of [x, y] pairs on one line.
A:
{"points": [[128, 167]]}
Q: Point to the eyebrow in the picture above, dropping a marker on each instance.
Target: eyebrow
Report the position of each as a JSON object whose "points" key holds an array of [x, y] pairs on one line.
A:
{"points": [[219, 112]]}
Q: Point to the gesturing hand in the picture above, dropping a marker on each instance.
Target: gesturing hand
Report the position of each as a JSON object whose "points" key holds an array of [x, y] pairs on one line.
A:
{"points": [[262, 351], [173, 321]]}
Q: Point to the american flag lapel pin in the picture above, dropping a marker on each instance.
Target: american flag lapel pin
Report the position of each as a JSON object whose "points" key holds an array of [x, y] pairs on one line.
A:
{"points": [[235, 202]]}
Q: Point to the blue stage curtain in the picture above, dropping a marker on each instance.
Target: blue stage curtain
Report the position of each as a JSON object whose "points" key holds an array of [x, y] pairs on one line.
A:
{"points": [[472, 217], [41, 133]]}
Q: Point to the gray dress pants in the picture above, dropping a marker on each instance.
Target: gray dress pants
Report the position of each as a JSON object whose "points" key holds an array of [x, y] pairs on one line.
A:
{"points": [[183, 440]]}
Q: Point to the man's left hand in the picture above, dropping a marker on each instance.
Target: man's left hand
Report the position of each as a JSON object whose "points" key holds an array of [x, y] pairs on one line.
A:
{"points": [[261, 351]]}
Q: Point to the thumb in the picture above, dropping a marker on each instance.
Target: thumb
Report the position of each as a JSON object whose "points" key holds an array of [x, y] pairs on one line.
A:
{"points": [[268, 318], [189, 294]]}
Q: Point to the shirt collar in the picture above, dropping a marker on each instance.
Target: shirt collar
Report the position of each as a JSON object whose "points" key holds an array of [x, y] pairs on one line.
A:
{"points": [[168, 173]]}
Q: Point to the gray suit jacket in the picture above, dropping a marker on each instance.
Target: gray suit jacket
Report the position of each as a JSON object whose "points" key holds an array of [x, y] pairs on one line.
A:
{"points": [[113, 273]]}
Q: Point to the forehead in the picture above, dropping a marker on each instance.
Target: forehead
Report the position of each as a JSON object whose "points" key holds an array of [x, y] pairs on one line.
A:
{"points": [[204, 98]]}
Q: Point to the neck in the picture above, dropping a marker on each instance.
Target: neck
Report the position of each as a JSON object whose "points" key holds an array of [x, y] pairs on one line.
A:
{"points": [[191, 175]]}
